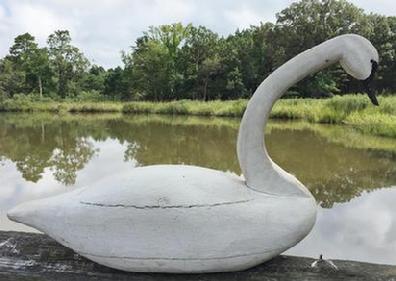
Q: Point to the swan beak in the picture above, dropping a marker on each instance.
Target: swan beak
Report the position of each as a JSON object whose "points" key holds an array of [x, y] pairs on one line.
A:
{"points": [[367, 83]]}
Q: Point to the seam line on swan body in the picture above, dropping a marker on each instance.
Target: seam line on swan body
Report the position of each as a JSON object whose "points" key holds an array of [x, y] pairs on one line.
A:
{"points": [[164, 207]]}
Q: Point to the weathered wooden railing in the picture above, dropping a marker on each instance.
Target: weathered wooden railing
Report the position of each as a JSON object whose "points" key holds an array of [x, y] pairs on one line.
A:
{"points": [[28, 256]]}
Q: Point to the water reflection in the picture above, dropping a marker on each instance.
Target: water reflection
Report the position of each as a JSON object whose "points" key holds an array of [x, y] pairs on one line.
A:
{"points": [[363, 229], [42, 155], [35, 146]]}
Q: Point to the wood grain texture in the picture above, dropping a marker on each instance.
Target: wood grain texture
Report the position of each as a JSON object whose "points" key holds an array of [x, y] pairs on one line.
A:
{"points": [[30, 256]]}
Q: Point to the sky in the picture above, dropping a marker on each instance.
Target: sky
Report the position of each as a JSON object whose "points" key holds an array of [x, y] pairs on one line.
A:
{"points": [[102, 28]]}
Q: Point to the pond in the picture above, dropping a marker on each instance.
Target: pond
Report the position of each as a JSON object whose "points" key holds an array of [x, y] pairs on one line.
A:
{"points": [[352, 176]]}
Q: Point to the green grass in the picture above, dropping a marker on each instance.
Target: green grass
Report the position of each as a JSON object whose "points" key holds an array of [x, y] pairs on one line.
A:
{"points": [[351, 110], [234, 108], [22, 105]]}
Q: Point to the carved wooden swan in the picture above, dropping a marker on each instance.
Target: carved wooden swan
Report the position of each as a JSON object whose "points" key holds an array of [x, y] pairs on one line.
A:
{"points": [[177, 218]]}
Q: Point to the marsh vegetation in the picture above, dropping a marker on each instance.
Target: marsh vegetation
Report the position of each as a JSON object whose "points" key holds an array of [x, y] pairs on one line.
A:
{"points": [[354, 111]]}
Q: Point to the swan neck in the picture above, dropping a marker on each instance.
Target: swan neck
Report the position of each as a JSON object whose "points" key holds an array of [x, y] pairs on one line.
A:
{"points": [[260, 172]]}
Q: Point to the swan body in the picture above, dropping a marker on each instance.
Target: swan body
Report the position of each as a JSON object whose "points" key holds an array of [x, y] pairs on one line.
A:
{"points": [[177, 218], [183, 219]]}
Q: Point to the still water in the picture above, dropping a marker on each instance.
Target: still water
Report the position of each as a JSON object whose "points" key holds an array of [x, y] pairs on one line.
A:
{"points": [[352, 176]]}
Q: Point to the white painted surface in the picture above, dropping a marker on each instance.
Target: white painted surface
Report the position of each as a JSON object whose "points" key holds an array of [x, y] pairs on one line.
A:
{"points": [[175, 218], [354, 52], [172, 218]]}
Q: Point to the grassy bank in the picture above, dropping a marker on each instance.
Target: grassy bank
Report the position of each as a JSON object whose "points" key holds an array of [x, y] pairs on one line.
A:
{"points": [[352, 110], [25, 105]]}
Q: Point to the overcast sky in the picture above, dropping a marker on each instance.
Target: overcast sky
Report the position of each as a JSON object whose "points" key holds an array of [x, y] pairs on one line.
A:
{"points": [[102, 28]]}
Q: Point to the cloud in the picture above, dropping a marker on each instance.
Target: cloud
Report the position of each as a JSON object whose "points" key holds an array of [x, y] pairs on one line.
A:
{"points": [[103, 28], [21, 17], [243, 18]]}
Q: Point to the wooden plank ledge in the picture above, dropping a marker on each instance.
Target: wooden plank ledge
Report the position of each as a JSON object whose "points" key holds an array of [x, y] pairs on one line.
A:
{"points": [[32, 256]]}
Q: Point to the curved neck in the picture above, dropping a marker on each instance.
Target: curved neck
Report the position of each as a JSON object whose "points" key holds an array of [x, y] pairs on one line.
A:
{"points": [[260, 172]]}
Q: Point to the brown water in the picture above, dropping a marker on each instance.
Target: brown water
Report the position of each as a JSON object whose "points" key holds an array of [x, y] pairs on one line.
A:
{"points": [[350, 174]]}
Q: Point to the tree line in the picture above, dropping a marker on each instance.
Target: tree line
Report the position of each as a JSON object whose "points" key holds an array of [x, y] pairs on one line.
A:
{"points": [[178, 61]]}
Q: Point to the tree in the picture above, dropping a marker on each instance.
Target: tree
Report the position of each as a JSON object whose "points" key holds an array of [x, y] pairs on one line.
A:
{"points": [[67, 62], [236, 65], [32, 61], [207, 72], [11, 79], [153, 62], [382, 33], [198, 61], [41, 70], [152, 71], [23, 48], [116, 84], [94, 79], [390, 71], [307, 23]]}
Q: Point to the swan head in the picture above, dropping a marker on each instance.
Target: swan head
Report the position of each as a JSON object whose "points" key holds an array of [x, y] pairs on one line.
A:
{"points": [[360, 60]]}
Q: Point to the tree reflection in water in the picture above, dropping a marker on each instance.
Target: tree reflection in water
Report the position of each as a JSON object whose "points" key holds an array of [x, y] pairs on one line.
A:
{"points": [[35, 146], [336, 163], [67, 160]]}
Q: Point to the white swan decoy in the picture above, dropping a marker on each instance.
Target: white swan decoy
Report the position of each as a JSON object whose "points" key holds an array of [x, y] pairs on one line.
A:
{"points": [[177, 218]]}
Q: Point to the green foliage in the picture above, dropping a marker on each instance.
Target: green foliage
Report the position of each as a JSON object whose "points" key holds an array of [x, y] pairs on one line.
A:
{"points": [[67, 62], [116, 84], [174, 61], [94, 79], [199, 62], [33, 62], [92, 95], [11, 78]]}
